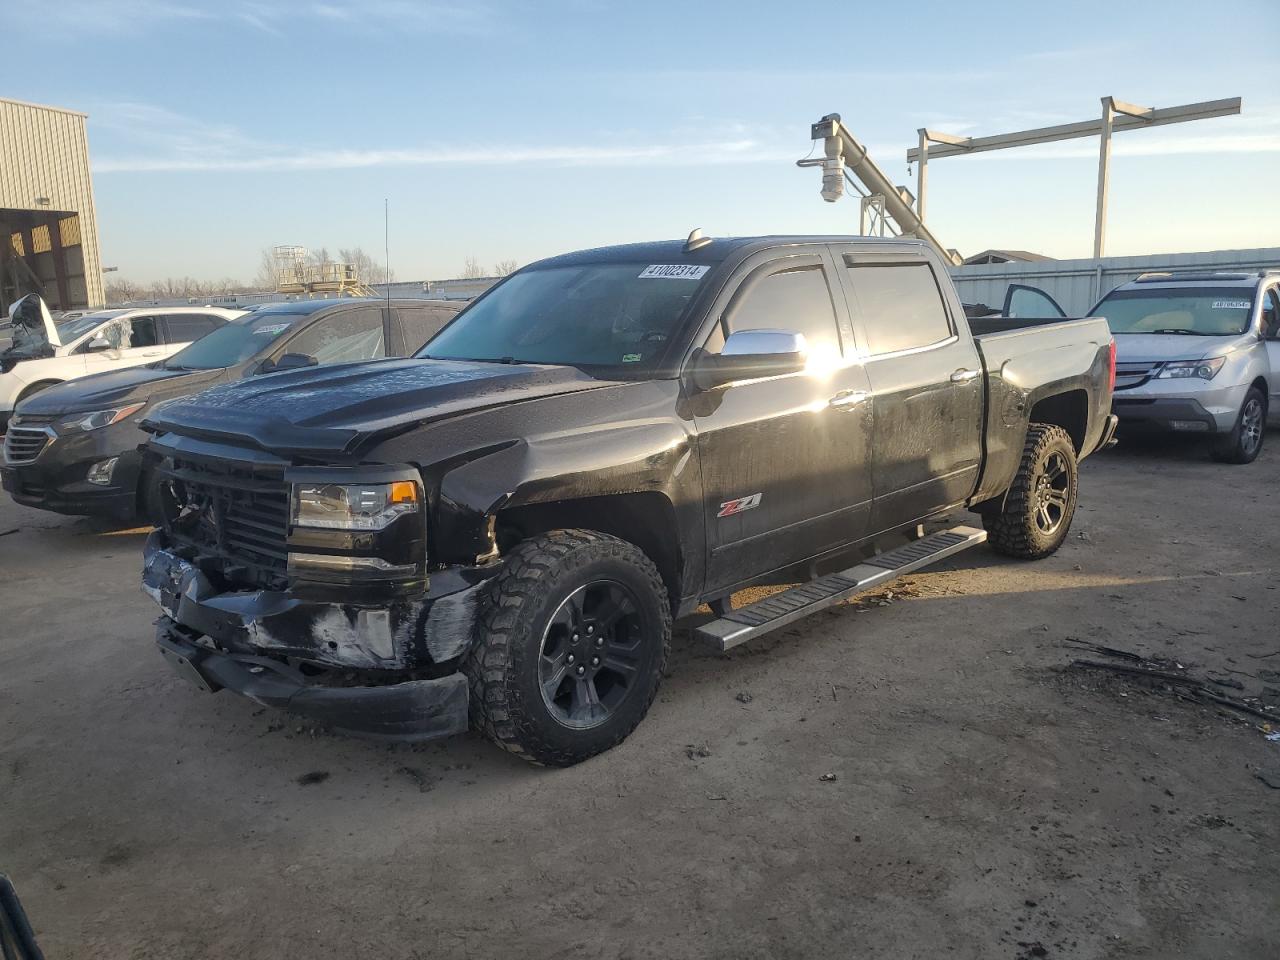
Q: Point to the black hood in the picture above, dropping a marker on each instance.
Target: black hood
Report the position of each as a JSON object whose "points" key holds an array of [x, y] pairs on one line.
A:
{"points": [[334, 408], [114, 388]]}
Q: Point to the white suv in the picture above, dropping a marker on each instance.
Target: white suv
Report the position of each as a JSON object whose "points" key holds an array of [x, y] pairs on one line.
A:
{"points": [[101, 341], [1198, 353]]}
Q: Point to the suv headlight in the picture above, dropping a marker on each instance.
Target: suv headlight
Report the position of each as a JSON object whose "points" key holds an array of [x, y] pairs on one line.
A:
{"points": [[354, 506], [1182, 369], [99, 418]]}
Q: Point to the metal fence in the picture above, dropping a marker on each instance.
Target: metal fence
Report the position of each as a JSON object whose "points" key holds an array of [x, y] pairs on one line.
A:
{"points": [[1078, 284]]}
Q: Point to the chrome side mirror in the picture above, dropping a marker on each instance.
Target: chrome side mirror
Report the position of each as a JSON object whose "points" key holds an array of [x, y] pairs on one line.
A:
{"points": [[752, 354]]}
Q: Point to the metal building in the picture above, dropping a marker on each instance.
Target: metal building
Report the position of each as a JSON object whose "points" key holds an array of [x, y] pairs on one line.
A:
{"points": [[1078, 284], [48, 230]]}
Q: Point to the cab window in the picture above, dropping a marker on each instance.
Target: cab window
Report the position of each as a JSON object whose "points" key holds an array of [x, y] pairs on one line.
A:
{"points": [[791, 298], [343, 337], [900, 306]]}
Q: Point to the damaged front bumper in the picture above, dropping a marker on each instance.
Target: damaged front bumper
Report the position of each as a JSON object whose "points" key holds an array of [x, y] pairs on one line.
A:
{"points": [[384, 669]]}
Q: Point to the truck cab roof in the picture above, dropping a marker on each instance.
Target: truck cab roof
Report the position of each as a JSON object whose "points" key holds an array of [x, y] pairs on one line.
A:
{"points": [[717, 250]]}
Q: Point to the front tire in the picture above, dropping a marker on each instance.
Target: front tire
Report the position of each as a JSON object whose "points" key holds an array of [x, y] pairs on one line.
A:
{"points": [[572, 641], [1244, 442], [1041, 501]]}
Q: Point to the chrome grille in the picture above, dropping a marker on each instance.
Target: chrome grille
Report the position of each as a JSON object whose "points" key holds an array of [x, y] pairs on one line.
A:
{"points": [[237, 515], [23, 444], [1136, 373]]}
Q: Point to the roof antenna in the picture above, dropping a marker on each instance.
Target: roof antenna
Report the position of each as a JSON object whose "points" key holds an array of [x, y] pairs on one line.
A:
{"points": [[386, 248], [696, 240]]}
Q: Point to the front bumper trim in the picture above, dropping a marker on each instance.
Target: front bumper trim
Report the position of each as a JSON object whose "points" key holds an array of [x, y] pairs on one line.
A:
{"points": [[412, 710]]}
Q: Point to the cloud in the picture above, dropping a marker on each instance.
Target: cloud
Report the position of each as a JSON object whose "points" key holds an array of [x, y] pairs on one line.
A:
{"points": [[166, 141], [273, 17]]}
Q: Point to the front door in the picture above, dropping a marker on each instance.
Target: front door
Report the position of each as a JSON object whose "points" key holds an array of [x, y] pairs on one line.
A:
{"points": [[784, 458], [1271, 331], [926, 384]]}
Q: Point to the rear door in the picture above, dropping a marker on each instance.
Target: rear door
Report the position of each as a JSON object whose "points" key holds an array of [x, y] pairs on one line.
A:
{"points": [[418, 324], [181, 329], [1271, 331], [926, 385], [784, 458]]}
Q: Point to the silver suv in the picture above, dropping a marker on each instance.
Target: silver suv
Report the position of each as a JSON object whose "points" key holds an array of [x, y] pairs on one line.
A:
{"points": [[1195, 353]]}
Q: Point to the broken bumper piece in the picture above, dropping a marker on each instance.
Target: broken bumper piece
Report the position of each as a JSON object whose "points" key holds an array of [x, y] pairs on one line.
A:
{"points": [[411, 710]]}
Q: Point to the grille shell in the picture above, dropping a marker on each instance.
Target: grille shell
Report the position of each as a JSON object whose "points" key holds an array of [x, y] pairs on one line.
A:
{"points": [[23, 444], [234, 513]]}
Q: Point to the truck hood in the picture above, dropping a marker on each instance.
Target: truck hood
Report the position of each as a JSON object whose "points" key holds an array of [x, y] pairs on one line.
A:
{"points": [[333, 409], [1135, 347], [101, 391]]}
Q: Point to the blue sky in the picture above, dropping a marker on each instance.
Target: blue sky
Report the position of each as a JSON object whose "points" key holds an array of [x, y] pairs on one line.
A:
{"points": [[508, 130]]}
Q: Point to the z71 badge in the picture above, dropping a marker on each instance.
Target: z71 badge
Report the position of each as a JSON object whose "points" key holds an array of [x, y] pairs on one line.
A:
{"points": [[730, 507]]}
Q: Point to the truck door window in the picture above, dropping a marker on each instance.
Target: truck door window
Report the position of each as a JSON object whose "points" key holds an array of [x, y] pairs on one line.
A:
{"points": [[796, 299], [342, 337], [900, 305], [420, 324]]}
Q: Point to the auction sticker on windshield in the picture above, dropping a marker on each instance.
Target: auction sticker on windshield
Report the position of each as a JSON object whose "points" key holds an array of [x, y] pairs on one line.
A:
{"points": [[673, 271], [271, 328], [1231, 305]]}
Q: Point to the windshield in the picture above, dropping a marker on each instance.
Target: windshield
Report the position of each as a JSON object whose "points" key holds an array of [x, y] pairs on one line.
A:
{"points": [[71, 329], [1196, 311], [232, 343], [607, 318]]}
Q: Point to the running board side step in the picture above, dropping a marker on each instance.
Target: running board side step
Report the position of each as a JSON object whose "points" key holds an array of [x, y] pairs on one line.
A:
{"points": [[764, 616]]}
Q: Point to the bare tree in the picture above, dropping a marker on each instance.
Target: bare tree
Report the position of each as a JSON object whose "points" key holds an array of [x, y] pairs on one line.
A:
{"points": [[320, 256], [503, 267], [120, 290], [367, 268], [266, 280], [471, 270]]}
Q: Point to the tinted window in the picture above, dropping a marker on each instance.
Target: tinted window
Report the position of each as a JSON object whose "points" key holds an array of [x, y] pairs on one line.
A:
{"points": [[233, 342], [613, 318], [1191, 311], [1027, 302], [342, 337], [900, 306], [142, 332], [420, 324], [186, 327], [796, 299]]}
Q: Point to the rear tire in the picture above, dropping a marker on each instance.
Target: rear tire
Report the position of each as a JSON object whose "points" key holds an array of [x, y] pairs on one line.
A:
{"points": [[572, 640], [1244, 442], [1041, 502]]}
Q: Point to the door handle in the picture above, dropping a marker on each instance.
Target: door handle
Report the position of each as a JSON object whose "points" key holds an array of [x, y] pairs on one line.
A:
{"points": [[964, 376], [848, 398]]}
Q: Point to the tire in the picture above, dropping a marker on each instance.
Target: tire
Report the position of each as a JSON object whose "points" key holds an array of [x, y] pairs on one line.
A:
{"points": [[1244, 442], [149, 507], [526, 634], [1041, 501]]}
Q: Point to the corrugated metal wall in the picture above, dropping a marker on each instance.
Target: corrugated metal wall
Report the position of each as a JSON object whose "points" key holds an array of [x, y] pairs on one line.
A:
{"points": [[1079, 284], [44, 152]]}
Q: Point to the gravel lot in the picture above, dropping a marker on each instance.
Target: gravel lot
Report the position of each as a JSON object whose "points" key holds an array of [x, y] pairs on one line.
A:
{"points": [[987, 801]]}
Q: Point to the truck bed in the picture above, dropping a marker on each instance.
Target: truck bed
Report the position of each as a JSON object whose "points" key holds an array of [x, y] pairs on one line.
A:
{"points": [[1027, 360]]}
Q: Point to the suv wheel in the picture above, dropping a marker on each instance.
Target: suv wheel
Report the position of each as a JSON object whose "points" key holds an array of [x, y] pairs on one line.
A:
{"points": [[1244, 442], [1041, 501], [573, 639]]}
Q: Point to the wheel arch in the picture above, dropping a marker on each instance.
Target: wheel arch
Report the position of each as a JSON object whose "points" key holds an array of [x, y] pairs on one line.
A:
{"points": [[33, 388], [1068, 410], [644, 518]]}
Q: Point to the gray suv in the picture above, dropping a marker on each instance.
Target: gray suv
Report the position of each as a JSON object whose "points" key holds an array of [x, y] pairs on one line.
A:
{"points": [[1195, 353]]}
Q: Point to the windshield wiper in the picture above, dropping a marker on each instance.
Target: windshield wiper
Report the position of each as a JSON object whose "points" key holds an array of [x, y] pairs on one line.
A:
{"points": [[1184, 332]]}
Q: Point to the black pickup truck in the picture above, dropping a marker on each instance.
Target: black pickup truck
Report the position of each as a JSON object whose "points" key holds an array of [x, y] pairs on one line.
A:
{"points": [[501, 530]]}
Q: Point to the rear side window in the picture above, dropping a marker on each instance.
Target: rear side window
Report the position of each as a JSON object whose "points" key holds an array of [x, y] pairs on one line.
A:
{"points": [[420, 324], [900, 306], [1271, 316], [795, 299], [142, 332], [186, 327]]}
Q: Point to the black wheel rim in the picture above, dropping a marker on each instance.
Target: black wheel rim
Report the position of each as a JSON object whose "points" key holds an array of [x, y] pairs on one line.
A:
{"points": [[591, 652], [1053, 487], [1251, 426]]}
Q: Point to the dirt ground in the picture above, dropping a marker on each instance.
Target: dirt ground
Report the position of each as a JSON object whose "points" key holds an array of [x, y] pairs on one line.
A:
{"points": [[987, 801]]}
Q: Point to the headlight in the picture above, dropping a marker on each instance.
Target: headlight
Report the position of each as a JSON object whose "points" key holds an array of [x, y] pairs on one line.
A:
{"points": [[354, 506], [1181, 369], [99, 418]]}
